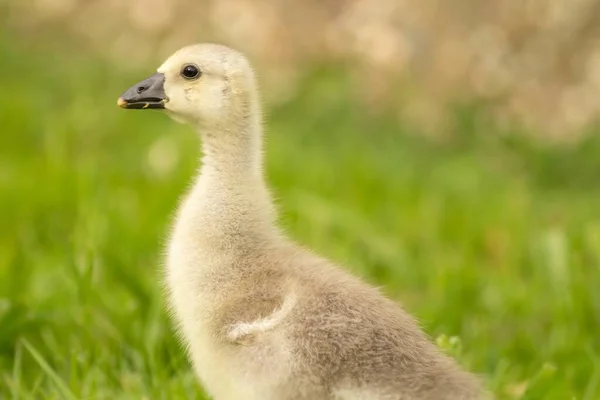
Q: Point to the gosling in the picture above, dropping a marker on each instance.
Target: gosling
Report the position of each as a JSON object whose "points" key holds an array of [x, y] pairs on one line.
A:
{"points": [[263, 318]]}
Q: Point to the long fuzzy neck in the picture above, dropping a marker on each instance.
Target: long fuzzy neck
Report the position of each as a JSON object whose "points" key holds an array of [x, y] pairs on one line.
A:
{"points": [[230, 197], [233, 150]]}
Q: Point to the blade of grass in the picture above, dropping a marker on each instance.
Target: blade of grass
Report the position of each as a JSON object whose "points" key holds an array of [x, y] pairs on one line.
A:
{"points": [[60, 384], [16, 373]]}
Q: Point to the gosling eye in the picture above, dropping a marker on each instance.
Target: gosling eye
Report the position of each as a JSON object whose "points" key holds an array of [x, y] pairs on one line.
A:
{"points": [[190, 71]]}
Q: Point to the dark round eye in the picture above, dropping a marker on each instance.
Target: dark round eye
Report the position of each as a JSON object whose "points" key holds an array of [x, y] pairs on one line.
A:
{"points": [[190, 71]]}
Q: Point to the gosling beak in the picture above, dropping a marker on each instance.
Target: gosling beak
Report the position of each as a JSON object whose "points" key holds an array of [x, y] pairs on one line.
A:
{"points": [[149, 93]]}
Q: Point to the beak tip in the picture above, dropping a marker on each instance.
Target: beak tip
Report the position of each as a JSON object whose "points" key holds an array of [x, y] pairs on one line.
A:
{"points": [[121, 102]]}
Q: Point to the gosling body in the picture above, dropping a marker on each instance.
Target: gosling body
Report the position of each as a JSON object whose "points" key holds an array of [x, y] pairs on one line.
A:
{"points": [[261, 316]]}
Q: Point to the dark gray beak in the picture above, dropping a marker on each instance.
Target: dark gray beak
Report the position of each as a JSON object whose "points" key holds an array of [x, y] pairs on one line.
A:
{"points": [[149, 93]]}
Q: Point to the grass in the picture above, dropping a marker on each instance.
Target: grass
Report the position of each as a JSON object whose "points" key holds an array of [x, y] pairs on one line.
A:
{"points": [[491, 241]]}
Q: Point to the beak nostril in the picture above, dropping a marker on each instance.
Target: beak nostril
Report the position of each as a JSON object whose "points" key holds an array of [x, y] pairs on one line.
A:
{"points": [[140, 89]]}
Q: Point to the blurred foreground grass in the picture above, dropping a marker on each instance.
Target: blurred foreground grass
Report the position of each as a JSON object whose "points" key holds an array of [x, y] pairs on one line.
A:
{"points": [[486, 238]]}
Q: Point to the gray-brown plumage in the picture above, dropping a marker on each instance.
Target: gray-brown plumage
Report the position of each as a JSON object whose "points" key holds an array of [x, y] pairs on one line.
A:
{"points": [[263, 318]]}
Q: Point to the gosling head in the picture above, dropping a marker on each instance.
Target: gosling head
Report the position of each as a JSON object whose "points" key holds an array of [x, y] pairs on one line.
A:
{"points": [[202, 84]]}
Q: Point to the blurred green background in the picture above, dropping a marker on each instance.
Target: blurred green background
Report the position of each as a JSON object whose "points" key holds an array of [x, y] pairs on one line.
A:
{"points": [[485, 232]]}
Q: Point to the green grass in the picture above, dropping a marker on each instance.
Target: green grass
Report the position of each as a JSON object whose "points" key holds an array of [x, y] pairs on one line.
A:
{"points": [[491, 241]]}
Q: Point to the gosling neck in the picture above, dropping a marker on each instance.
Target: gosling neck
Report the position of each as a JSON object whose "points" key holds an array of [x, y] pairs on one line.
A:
{"points": [[232, 149], [230, 194]]}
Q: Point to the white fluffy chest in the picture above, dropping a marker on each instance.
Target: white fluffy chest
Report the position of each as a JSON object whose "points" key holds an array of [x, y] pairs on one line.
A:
{"points": [[226, 373], [186, 267], [187, 263]]}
